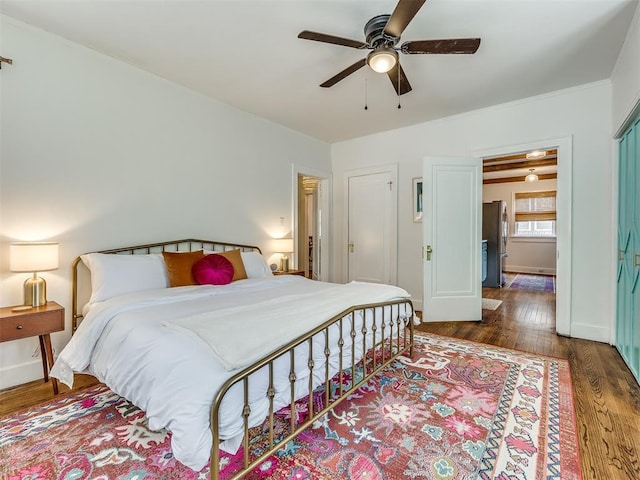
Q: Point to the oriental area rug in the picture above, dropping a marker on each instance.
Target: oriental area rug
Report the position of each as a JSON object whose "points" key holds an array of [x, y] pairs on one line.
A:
{"points": [[536, 283], [456, 410]]}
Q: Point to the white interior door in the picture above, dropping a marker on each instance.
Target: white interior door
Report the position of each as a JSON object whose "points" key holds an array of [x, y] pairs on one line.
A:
{"points": [[320, 251], [452, 223], [371, 244]]}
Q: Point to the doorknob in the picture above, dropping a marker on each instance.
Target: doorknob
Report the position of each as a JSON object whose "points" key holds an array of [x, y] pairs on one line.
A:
{"points": [[620, 254], [428, 252], [351, 246], [636, 260]]}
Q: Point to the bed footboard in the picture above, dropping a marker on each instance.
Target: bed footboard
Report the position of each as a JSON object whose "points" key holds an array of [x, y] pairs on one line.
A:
{"points": [[365, 338]]}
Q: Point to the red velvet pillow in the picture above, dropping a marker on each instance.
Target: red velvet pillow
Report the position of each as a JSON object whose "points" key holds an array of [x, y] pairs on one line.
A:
{"points": [[212, 270]]}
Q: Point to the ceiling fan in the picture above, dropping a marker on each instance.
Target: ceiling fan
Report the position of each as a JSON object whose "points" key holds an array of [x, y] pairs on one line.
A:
{"points": [[382, 34]]}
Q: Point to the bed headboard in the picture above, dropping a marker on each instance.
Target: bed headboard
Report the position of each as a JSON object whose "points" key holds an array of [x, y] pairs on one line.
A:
{"points": [[81, 286]]}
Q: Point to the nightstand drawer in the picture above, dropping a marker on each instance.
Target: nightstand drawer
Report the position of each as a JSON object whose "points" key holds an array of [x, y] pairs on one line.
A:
{"points": [[31, 324]]}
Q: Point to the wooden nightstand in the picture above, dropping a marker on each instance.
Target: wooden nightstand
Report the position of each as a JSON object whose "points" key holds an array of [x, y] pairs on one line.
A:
{"points": [[290, 272], [40, 321]]}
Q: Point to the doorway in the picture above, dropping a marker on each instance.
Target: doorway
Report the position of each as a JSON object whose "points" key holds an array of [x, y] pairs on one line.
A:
{"points": [[311, 226], [519, 214], [560, 255]]}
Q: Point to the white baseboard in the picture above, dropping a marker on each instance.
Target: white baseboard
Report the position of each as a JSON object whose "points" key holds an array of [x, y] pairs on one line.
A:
{"points": [[534, 270], [591, 332], [21, 373]]}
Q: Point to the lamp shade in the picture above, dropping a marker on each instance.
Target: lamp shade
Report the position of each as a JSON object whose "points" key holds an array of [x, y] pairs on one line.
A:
{"points": [[283, 245], [381, 60], [33, 257]]}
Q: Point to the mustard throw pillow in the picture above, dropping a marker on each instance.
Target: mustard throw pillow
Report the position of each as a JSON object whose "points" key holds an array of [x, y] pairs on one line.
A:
{"points": [[179, 267], [235, 258]]}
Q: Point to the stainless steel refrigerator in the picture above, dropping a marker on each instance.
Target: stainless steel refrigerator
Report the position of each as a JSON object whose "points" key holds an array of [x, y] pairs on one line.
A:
{"points": [[495, 230]]}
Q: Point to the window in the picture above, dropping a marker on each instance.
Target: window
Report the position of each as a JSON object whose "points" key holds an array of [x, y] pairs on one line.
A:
{"points": [[535, 214]]}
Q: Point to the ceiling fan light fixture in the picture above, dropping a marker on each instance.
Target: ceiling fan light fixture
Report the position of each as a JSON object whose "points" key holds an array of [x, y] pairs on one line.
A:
{"points": [[381, 60], [536, 154], [532, 177]]}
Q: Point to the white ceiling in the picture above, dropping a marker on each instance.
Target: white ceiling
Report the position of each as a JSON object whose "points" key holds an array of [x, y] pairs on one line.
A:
{"points": [[247, 54]]}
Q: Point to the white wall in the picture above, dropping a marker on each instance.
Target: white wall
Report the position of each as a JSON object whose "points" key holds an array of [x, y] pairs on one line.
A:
{"points": [[625, 78], [583, 113], [98, 154], [526, 255]]}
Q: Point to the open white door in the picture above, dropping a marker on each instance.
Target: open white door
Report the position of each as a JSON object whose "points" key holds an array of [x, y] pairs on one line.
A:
{"points": [[452, 223], [321, 252]]}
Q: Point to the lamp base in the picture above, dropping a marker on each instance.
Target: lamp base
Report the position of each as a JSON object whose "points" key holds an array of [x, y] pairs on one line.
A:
{"points": [[35, 291], [284, 264]]}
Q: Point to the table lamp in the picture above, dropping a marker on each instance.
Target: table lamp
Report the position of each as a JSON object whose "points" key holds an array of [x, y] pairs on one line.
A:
{"points": [[283, 246], [34, 257]]}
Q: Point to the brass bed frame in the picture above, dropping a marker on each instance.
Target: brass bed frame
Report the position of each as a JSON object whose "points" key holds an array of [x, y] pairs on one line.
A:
{"points": [[392, 320]]}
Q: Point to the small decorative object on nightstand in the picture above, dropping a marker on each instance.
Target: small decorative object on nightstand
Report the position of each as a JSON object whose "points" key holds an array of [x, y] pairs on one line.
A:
{"points": [[290, 272], [36, 321]]}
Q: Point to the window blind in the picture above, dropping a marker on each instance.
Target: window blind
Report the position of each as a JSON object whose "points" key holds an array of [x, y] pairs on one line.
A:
{"points": [[535, 206]]}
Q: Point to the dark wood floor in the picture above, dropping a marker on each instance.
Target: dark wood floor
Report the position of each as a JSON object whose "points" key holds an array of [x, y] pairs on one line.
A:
{"points": [[607, 398], [33, 393]]}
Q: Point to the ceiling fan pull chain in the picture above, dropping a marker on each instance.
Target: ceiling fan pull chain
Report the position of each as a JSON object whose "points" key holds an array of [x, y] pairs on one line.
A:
{"points": [[399, 86], [366, 98]]}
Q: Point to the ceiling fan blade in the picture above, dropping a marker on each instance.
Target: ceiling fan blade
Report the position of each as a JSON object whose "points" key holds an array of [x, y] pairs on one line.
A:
{"points": [[403, 85], [456, 45], [404, 12], [323, 37], [344, 73]]}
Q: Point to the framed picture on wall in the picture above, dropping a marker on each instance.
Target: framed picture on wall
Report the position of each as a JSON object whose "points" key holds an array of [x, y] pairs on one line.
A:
{"points": [[417, 199]]}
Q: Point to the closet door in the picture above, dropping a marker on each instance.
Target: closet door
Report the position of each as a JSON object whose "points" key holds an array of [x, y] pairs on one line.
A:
{"points": [[635, 261], [628, 273]]}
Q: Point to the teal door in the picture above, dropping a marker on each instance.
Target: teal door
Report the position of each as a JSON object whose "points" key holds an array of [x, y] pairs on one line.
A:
{"points": [[628, 271], [635, 241]]}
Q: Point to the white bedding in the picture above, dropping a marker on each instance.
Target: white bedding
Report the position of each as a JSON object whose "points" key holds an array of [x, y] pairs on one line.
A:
{"points": [[269, 322], [173, 375]]}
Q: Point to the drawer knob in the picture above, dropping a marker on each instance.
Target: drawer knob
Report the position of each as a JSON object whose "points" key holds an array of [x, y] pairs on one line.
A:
{"points": [[19, 327]]}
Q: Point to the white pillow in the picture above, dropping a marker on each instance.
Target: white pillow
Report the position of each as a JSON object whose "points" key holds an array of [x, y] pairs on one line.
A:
{"points": [[113, 274], [255, 265]]}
